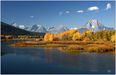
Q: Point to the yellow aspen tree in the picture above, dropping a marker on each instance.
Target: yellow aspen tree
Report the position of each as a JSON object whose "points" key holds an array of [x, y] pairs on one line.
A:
{"points": [[46, 37], [76, 36], [51, 36], [113, 38]]}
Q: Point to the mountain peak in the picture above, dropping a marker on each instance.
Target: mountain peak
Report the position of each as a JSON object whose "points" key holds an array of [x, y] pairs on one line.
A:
{"points": [[59, 29], [94, 25], [38, 28], [94, 20], [14, 24]]}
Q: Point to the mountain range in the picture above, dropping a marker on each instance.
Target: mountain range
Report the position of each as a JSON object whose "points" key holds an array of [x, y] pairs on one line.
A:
{"points": [[37, 28], [7, 29], [93, 25], [58, 29]]}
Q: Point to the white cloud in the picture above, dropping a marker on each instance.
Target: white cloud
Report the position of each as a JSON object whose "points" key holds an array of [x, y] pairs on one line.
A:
{"points": [[93, 8], [31, 16], [108, 6], [67, 12], [80, 11]]}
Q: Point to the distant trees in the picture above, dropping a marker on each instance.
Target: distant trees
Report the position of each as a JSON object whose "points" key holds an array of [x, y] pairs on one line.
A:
{"points": [[63, 36], [67, 35], [87, 35], [55, 37], [105, 35]]}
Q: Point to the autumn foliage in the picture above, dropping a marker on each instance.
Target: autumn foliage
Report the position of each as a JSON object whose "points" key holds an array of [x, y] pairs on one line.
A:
{"points": [[113, 38], [67, 35], [48, 37], [75, 35]]}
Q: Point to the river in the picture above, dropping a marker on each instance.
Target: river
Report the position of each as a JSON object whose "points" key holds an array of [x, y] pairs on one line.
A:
{"points": [[53, 61]]}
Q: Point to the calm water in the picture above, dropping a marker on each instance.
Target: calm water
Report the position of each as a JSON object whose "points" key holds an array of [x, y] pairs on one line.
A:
{"points": [[38, 60]]}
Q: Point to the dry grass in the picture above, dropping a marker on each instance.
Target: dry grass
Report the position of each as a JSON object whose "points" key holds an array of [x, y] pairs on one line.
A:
{"points": [[98, 48], [75, 47], [88, 46]]}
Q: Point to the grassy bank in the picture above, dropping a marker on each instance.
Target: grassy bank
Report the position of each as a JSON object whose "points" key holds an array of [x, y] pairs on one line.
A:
{"points": [[88, 46]]}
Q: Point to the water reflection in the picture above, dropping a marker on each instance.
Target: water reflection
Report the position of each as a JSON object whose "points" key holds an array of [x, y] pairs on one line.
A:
{"points": [[63, 59], [74, 62]]}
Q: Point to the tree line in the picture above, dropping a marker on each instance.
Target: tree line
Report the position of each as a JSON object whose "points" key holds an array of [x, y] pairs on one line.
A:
{"points": [[75, 35]]}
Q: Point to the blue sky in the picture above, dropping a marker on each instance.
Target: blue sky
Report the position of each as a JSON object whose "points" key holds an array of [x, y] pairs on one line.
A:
{"points": [[55, 13]]}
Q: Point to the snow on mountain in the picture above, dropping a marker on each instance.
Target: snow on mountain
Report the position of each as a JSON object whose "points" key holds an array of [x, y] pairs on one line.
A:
{"points": [[14, 24], [38, 28], [94, 25], [21, 26], [27, 28], [58, 29], [74, 28]]}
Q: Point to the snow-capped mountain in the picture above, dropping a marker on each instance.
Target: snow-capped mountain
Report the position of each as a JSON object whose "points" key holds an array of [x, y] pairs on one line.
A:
{"points": [[21, 26], [58, 29], [74, 28], [37, 28], [94, 25], [27, 28], [34, 28], [18, 26], [14, 24]]}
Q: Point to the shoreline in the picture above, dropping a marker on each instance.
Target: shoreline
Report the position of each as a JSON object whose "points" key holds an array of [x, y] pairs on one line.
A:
{"points": [[77, 46]]}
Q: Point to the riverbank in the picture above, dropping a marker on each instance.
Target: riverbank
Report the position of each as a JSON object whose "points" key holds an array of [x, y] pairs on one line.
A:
{"points": [[86, 46]]}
